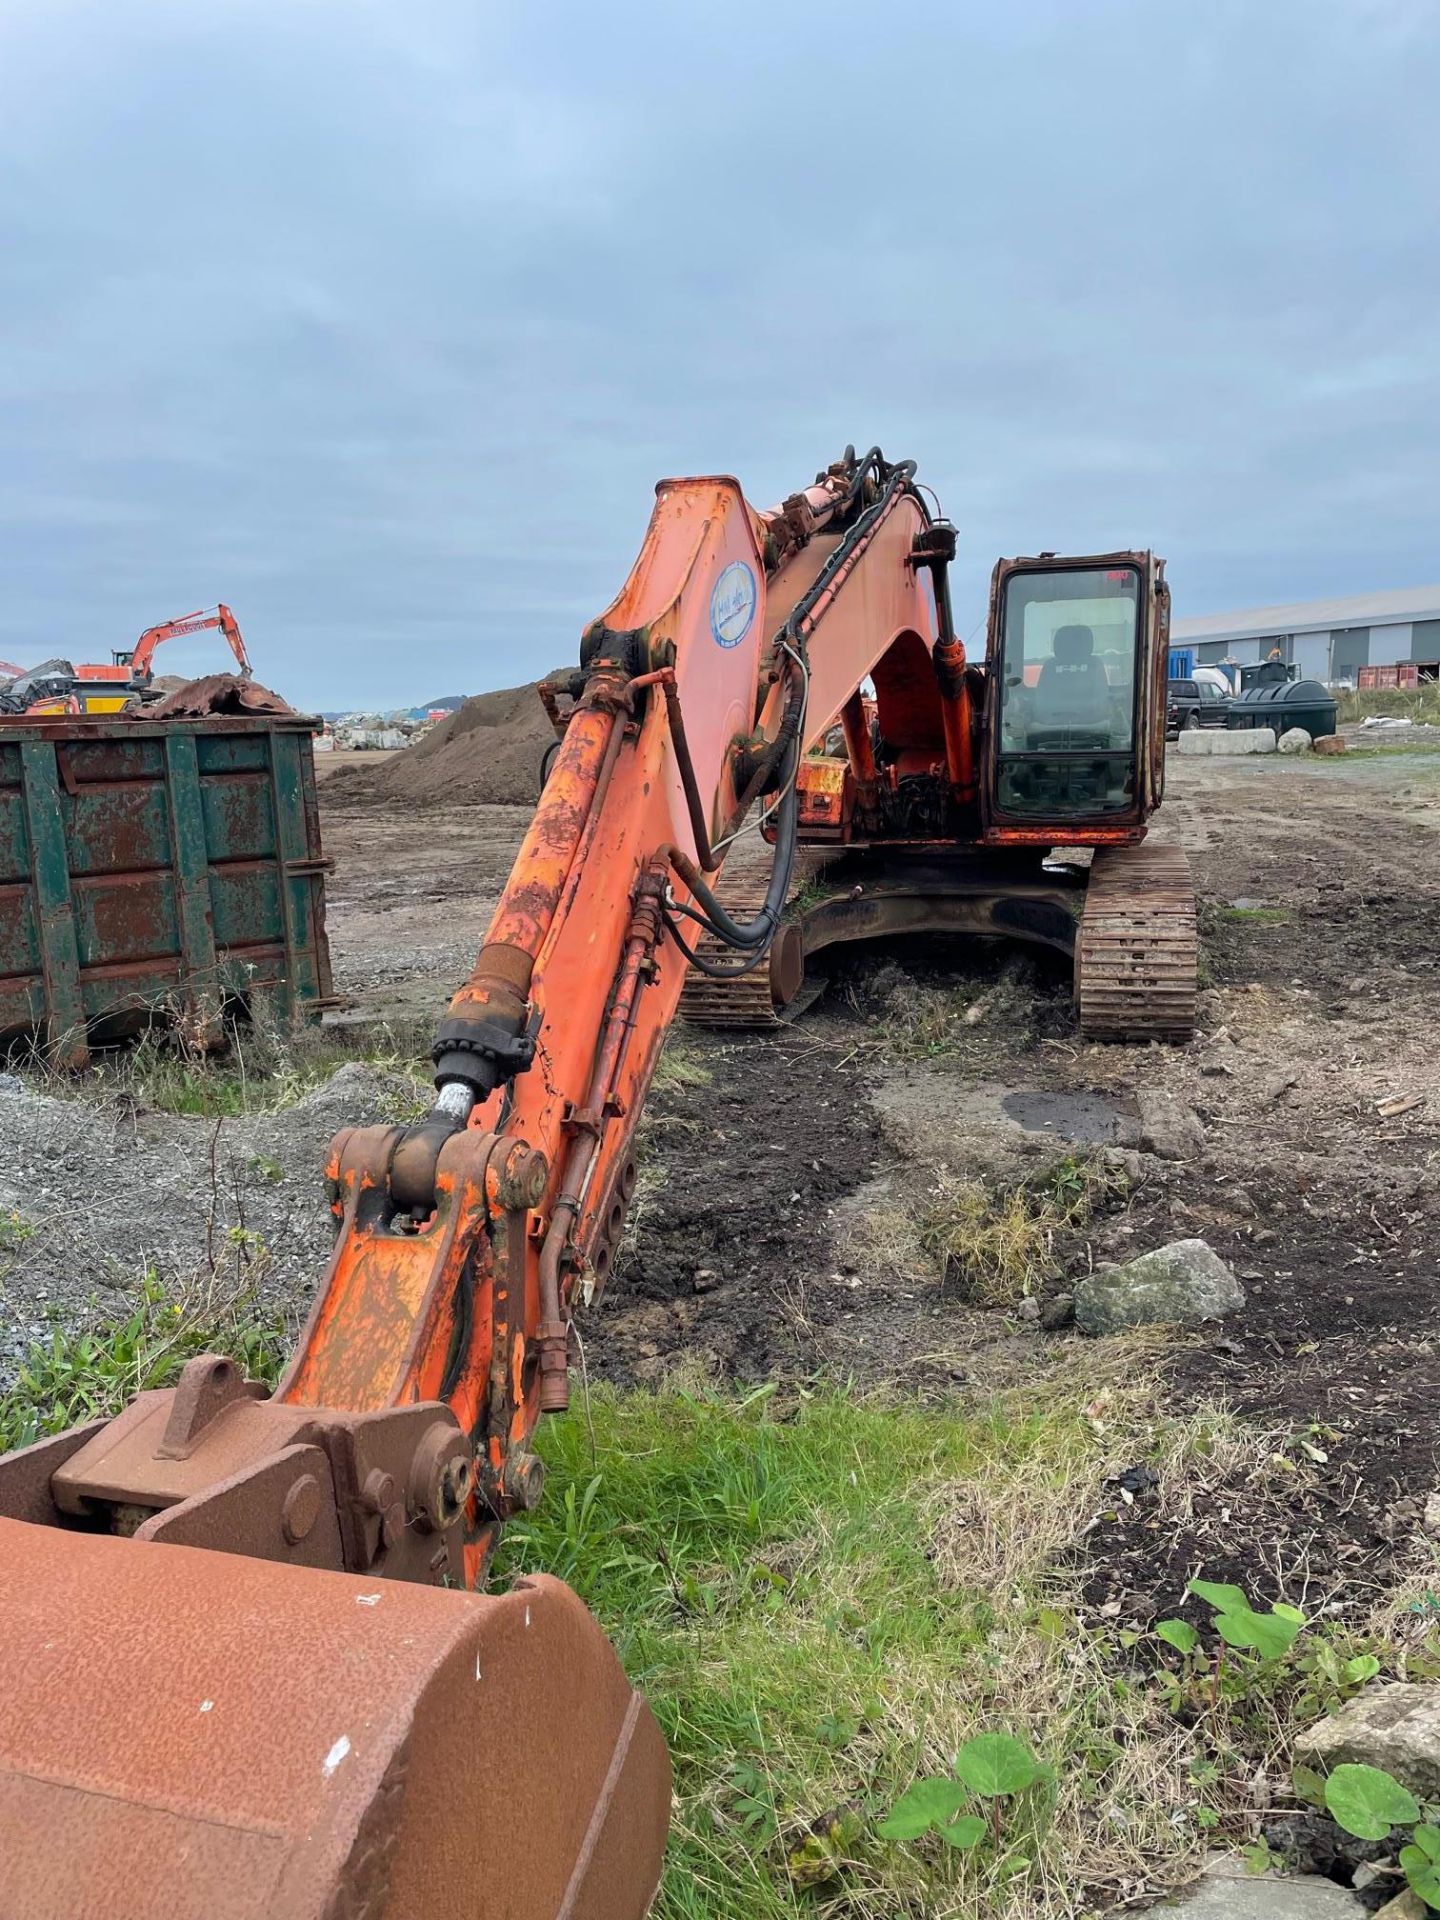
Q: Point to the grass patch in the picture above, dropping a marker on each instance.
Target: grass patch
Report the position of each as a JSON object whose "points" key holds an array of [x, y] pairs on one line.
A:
{"points": [[259, 1070], [1000, 1247], [1258, 916], [822, 1601], [1422, 704], [921, 1022], [825, 1595], [1390, 746], [996, 1247], [680, 1066], [91, 1374]]}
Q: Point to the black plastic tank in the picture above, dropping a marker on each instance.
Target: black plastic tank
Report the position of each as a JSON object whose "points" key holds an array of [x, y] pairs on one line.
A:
{"points": [[1271, 699]]}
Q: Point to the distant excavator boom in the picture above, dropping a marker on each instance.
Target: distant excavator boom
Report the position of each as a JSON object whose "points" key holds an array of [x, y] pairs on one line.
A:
{"points": [[140, 657]]}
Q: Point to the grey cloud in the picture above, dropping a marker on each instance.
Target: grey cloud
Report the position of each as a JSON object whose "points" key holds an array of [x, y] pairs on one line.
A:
{"points": [[380, 323]]}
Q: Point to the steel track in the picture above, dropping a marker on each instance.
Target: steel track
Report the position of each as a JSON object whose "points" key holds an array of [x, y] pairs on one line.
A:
{"points": [[1135, 959]]}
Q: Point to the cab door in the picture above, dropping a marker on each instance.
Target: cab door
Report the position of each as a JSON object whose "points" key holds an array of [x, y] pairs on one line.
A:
{"points": [[1075, 698]]}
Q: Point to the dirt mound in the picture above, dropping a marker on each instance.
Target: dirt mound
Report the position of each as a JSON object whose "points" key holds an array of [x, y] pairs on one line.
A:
{"points": [[488, 750]]}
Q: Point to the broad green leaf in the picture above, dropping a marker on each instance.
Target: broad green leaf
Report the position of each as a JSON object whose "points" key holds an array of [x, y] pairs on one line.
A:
{"points": [[1367, 1802], [992, 1764], [1178, 1634], [1267, 1633], [1427, 1838], [1308, 1786], [1362, 1668], [1288, 1613], [968, 1831], [929, 1803], [1421, 1875], [1215, 1594]]}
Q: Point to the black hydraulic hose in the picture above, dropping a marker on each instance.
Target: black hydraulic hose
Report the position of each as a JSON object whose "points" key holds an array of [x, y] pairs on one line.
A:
{"points": [[760, 931], [710, 967], [897, 479]]}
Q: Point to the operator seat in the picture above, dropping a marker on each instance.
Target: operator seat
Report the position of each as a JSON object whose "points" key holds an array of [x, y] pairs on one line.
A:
{"points": [[1073, 690]]}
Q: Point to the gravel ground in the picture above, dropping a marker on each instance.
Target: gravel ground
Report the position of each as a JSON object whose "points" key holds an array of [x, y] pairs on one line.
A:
{"points": [[92, 1195]]}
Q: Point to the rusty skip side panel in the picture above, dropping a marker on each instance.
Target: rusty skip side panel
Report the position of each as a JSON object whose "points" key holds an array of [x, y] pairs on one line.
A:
{"points": [[157, 867]]}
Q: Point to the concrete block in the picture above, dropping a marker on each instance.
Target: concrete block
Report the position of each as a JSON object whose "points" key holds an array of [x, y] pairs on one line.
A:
{"points": [[1223, 742], [1227, 1892]]}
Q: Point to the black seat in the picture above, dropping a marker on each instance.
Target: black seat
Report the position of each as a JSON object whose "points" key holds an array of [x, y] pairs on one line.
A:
{"points": [[1073, 690]]}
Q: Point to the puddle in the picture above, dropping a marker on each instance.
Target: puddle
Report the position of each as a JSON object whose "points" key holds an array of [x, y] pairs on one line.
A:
{"points": [[1089, 1119]]}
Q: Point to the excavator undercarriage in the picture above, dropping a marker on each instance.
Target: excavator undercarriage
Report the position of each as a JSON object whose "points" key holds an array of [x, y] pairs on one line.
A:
{"points": [[1125, 922], [251, 1665]]}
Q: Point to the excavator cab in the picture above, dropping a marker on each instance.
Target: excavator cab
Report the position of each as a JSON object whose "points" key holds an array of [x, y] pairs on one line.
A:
{"points": [[1075, 648]]}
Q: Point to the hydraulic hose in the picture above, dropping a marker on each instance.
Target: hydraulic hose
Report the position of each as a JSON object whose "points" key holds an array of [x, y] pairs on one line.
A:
{"points": [[759, 932]]}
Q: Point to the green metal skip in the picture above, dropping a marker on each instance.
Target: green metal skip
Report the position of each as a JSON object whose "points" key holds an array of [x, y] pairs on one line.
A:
{"points": [[165, 870]]}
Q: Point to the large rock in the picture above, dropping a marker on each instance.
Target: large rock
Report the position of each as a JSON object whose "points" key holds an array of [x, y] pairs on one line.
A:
{"points": [[1168, 1129], [1396, 1727], [1180, 1284], [1222, 741], [1329, 743], [1294, 740], [1227, 1892]]}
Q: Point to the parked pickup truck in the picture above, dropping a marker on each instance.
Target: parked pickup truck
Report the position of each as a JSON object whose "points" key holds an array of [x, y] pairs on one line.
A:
{"points": [[1193, 703]]}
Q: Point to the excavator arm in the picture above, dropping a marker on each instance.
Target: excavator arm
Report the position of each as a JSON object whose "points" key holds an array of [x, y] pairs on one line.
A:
{"points": [[253, 1669], [140, 658]]}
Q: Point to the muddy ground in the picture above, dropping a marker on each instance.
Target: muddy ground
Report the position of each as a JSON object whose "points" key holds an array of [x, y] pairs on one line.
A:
{"points": [[763, 1233]]}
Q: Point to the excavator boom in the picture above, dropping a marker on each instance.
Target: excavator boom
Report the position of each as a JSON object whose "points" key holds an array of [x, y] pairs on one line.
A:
{"points": [[140, 658], [329, 1714]]}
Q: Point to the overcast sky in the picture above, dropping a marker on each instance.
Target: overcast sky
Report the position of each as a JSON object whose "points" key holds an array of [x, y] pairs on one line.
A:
{"points": [[380, 321]]}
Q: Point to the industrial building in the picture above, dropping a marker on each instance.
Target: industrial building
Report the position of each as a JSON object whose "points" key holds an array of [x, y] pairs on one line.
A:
{"points": [[1327, 640]]}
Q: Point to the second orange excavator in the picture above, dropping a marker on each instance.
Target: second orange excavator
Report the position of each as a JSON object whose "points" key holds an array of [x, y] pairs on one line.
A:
{"points": [[251, 1665], [58, 687]]}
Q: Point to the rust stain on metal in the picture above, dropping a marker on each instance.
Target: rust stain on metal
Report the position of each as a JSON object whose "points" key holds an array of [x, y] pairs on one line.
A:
{"points": [[269, 1749]]}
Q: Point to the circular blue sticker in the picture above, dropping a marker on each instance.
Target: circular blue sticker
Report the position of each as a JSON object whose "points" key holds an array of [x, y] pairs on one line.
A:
{"points": [[732, 604]]}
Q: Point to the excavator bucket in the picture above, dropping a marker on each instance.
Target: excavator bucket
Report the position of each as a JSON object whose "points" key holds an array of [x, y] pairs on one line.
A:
{"points": [[191, 1735]]}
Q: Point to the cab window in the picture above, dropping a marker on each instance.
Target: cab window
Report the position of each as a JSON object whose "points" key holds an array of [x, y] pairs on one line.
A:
{"points": [[1069, 642], [1069, 667]]}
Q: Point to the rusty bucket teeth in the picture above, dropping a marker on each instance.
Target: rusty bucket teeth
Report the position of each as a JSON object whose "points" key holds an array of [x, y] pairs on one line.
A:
{"points": [[1135, 961]]}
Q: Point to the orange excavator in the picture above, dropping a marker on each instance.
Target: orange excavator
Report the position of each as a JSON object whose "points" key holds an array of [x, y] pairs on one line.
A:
{"points": [[140, 657], [251, 1665], [57, 687]]}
